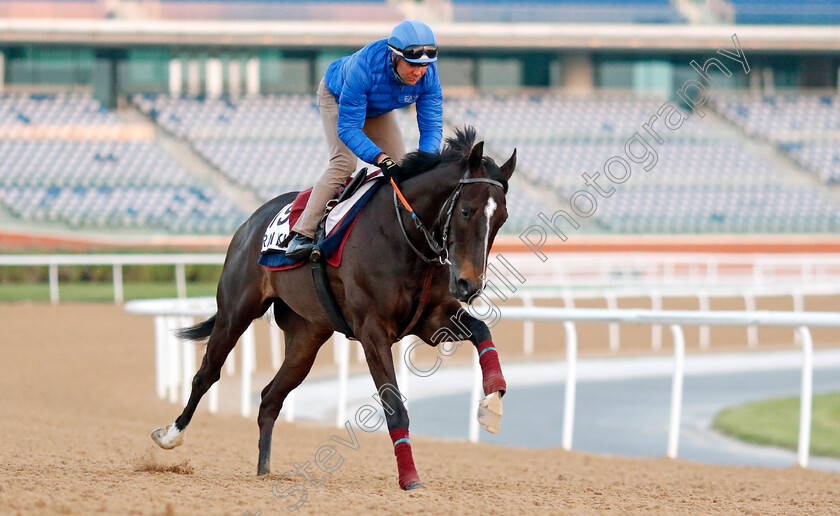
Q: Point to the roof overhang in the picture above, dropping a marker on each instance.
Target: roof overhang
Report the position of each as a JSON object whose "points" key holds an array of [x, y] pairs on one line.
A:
{"points": [[465, 36]]}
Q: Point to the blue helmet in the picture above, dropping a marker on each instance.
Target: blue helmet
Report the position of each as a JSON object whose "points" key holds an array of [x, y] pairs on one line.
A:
{"points": [[414, 41]]}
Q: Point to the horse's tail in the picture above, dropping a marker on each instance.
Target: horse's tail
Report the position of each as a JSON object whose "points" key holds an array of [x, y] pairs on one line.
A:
{"points": [[199, 331]]}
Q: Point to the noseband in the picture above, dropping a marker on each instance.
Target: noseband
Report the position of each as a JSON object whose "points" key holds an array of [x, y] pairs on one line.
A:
{"points": [[440, 250]]}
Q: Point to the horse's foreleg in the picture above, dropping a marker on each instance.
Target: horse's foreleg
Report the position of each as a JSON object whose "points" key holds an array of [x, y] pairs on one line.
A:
{"points": [[493, 381], [226, 332], [462, 325], [302, 347], [381, 367]]}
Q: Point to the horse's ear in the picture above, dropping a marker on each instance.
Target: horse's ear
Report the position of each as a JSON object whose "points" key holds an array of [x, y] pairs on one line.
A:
{"points": [[476, 155], [510, 164]]}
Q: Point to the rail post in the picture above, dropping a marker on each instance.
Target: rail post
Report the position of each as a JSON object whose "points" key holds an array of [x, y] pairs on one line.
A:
{"points": [[527, 328], [806, 396], [656, 329], [615, 338], [676, 390], [247, 368], [571, 384], [705, 337], [119, 295], [180, 280], [752, 330], [54, 283]]}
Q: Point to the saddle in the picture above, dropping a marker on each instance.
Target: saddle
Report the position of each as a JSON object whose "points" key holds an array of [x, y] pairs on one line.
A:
{"points": [[330, 236], [346, 192], [350, 188]]}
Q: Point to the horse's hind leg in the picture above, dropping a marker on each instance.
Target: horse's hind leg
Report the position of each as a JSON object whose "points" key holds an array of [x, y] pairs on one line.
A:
{"points": [[377, 346], [232, 319], [302, 344]]}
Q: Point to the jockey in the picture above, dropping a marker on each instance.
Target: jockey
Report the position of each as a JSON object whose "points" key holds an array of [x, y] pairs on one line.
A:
{"points": [[356, 99]]}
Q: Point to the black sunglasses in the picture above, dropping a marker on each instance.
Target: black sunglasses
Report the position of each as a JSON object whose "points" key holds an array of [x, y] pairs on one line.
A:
{"points": [[418, 51]]}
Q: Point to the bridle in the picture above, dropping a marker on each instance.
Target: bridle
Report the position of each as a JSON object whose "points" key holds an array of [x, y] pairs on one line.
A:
{"points": [[441, 250]]}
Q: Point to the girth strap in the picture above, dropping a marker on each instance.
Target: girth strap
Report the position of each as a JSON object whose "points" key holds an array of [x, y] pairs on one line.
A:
{"points": [[326, 295]]}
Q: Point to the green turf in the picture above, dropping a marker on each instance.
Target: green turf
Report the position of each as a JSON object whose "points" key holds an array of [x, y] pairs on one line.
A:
{"points": [[99, 291], [776, 422]]}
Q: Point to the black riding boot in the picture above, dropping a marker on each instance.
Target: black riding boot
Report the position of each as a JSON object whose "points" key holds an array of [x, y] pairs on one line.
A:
{"points": [[300, 247]]}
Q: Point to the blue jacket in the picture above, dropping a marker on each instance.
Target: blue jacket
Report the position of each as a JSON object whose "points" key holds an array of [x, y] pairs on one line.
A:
{"points": [[364, 86]]}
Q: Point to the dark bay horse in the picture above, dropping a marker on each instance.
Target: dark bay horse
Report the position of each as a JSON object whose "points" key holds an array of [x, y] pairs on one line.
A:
{"points": [[385, 288]]}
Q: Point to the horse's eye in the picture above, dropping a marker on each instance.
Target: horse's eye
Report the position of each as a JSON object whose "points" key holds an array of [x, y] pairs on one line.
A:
{"points": [[465, 212]]}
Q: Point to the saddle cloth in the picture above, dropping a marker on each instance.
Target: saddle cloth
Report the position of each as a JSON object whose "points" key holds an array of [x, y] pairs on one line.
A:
{"points": [[338, 224]]}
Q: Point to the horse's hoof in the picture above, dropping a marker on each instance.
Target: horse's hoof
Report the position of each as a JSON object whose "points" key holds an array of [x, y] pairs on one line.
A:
{"points": [[415, 485], [490, 413], [169, 437], [261, 472]]}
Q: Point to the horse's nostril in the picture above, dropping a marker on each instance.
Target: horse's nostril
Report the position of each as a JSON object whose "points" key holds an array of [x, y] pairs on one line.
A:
{"points": [[463, 287]]}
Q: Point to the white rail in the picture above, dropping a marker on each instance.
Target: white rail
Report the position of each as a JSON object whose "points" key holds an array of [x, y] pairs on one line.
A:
{"points": [[613, 272], [116, 261], [700, 270], [691, 317], [656, 295], [171, 313], [676, 318]]}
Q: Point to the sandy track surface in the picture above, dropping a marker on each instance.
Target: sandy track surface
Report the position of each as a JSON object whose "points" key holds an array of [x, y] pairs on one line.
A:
{"points": [[77, 404]]}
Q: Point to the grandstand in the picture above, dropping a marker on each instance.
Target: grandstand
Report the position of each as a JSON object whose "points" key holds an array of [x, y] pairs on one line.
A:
{"points": [[825, 12], [804, 126], [704, 181], [707, 178], [53, 172], [184, 126], [823, 158], [566, 11], [785, 118], [272, 144]]}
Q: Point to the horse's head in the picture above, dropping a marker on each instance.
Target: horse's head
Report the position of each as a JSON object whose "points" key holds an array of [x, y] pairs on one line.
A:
{"points": [[478, 210]]}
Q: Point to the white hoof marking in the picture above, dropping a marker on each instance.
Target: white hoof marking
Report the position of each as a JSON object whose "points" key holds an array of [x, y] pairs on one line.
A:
{"points": [[169, 437], [490, 413]]}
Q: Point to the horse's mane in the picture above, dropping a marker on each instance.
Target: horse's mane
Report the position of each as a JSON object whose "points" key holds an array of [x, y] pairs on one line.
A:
{"points": [[456, 149]]}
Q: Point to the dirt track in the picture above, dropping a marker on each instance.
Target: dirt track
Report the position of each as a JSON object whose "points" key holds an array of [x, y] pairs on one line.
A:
{"points": [[77, 403]]}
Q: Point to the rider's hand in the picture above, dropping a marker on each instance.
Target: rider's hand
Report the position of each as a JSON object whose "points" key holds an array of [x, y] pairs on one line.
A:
{"points": [[390, 169]]}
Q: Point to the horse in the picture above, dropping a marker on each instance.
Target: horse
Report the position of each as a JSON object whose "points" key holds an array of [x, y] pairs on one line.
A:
{"points": [[390, 283]]}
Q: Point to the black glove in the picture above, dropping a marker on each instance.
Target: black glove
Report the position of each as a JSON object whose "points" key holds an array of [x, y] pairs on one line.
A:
{"points": [[391, 170]]}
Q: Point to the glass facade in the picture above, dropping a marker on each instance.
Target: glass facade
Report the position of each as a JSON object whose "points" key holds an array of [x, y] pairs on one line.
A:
{"points": [[456, 71], [652, 76], [613, 73], [49, 65], [144, 70], [147, 69], [503, 74]]}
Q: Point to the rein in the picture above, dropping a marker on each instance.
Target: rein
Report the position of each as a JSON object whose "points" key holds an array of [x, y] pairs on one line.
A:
{"points": [[441, 250]]}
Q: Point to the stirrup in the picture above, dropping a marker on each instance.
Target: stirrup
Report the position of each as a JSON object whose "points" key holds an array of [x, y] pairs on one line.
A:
{"points": [[298, 250]]}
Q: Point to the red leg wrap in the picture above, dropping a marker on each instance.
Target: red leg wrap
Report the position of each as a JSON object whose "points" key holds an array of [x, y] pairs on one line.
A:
{"points": [[405, 462], [491, 370]]}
